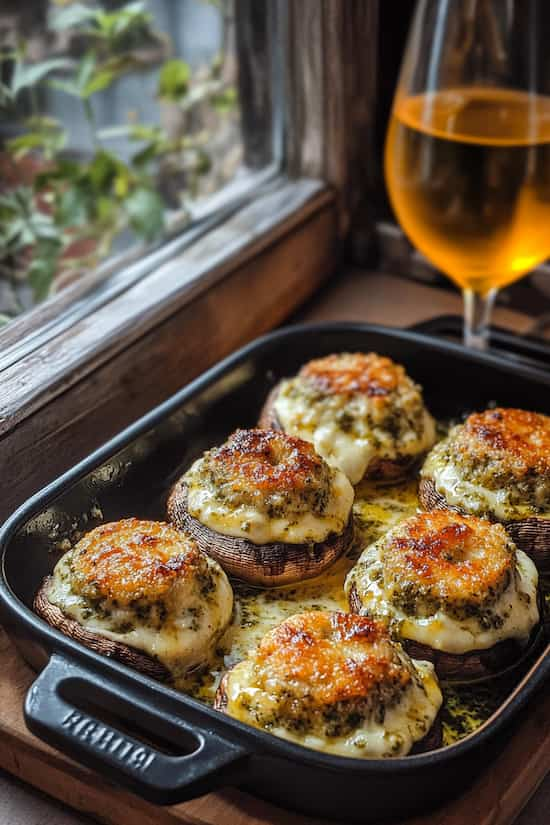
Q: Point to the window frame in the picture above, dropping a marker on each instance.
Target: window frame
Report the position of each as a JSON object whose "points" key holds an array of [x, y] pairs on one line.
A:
{"points": [[82, 385]]}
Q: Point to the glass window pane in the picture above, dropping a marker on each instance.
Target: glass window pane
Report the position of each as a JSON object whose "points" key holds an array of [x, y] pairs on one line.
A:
{"points": [[120, 122]]}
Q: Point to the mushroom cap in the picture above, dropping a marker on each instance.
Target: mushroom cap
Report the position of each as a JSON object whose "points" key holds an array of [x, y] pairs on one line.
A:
{"points": [[268, 565], [130, 656]]}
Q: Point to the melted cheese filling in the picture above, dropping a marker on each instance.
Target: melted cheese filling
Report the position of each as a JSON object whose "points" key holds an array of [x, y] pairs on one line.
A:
{"points": [[516, 607], [350, 450], [192, 625], [403, 724], [474, 498], [251, 523]]}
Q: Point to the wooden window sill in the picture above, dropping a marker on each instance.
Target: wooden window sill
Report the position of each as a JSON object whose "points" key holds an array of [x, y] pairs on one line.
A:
{"points": [[242, 279]]}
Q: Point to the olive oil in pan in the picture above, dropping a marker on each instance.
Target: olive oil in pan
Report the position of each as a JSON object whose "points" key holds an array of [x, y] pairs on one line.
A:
{"points": [[466, 707], [376, 509], [256, 611]]}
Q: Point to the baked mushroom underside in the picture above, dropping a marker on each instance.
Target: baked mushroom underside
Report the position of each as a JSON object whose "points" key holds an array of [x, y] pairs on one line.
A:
{"points": [[474, 665], [268, 565], [137, 659]]}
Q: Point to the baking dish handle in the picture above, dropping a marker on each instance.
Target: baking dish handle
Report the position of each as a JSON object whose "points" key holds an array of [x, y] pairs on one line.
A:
{"points": [[85, 716]]}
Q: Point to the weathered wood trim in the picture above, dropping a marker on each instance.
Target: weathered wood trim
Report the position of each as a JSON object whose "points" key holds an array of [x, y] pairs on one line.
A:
{"points": [[305, 89], [331, 98], [137, 368], [51, 369], [254, 43]]}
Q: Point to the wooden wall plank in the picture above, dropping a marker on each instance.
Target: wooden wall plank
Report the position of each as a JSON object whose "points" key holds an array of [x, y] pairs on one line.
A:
{"points": [[351, 57], [254, 31], [331, 107], [305, 89]]}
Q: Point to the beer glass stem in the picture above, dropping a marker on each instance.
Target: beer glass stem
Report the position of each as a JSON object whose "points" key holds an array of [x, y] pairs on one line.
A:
{"points": [[477, 313]]}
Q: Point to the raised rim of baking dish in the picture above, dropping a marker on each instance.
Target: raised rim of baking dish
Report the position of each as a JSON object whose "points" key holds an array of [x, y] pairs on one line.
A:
{"points": [[256, 740]]}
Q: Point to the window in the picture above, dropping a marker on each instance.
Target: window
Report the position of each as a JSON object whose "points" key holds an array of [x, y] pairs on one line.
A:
{"points": [[119, 122], [263, 230]]}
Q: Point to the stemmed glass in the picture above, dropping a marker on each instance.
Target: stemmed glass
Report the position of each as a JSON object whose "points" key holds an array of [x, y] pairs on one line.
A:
{"points": [[467, 159]]}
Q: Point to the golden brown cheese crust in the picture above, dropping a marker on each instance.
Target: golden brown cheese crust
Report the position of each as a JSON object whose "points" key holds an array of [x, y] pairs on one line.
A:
{"points": [[131, 560], [143, 592], [361, 411], [453, 588], [365, 373], [447, 558], [335, 682], [518, 440], [253, 464], [330, 657]]}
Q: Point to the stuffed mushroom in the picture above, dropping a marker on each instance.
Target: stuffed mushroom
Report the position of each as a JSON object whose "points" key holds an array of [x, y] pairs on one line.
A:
{"points": [[361, 411], [337, 683], [142, 592], [496, 465], [454, 589], [266, 506]]}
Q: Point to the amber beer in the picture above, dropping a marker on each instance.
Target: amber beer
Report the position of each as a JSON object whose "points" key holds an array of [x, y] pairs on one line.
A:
{"points": [[468, 172]]}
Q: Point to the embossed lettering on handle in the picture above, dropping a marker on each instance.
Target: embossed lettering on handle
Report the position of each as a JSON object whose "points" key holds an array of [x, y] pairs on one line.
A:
{"points": [[194, 757], [107, 739]]}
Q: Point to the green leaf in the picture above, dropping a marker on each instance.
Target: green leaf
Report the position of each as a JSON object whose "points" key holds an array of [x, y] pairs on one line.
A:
{"points": [[65, 171], [43, 268], [73, 207], [90, 77], [74, 15], [145, 210], [68, 86], [15, 234], [226, 100], [116, 25], [86, 70], [18, 200], [100, 80], [25, 75], [174, 80], [46, 134], [137, 7], [19, 146], [105, 209], [103, 170], [146, 155]]}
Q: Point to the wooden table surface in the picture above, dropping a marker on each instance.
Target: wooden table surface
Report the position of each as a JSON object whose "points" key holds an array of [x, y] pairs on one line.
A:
{"points": [[356, 295]]}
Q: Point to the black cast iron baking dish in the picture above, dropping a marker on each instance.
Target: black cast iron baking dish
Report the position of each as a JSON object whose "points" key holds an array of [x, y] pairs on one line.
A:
{"points": [[166, 746]]}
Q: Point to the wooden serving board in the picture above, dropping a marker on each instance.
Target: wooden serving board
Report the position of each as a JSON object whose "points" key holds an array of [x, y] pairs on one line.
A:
{"points": [[495, 799]]}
